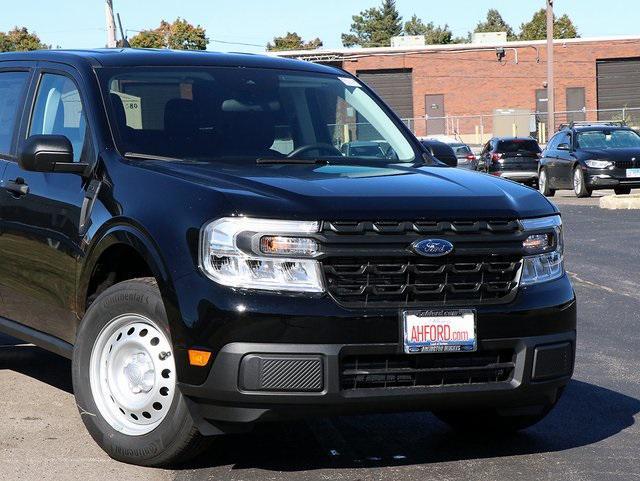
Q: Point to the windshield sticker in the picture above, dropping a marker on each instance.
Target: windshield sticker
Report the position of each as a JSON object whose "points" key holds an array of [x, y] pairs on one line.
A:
{"points": [[349, 82]]}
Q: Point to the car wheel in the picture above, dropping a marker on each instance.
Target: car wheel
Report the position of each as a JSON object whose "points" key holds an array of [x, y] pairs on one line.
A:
{"points": [[622, 190], [493, 420], [543, 184], [124, 379], [579, 184]]}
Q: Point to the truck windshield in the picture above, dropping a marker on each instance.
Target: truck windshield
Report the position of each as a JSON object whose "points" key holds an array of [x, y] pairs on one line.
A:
{"points": [[225, 113], [608, 139]]}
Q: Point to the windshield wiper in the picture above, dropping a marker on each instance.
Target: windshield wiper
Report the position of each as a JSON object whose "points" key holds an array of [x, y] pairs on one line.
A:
{"points": [[287, 160], [136, 155]]}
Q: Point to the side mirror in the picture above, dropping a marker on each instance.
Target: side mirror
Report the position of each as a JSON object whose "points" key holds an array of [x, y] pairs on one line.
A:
{"points": [[450, 162], [564, 146], [49, 153]]}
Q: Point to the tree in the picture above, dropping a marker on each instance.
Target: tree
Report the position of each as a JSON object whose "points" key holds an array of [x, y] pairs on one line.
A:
{"points": [[179, 35], [293, 41], [536, 28], [374, 27], [495, 23], [415, 26], [148, 39], [19, 39], [433, 35]]}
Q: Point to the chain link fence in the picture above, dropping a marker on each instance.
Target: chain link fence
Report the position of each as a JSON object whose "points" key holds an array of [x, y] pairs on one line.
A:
{"points": [[477, 129]]}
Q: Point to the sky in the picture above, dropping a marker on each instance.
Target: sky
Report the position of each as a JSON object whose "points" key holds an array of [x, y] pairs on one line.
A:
{"points": [[247, 25]]}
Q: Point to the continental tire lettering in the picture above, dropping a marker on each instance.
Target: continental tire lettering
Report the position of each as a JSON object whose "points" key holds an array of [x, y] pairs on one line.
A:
{"points": [[141, 452], [127, 297]]}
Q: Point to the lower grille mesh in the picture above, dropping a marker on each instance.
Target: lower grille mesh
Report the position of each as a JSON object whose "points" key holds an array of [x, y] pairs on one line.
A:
{"points": [[406, 370]]}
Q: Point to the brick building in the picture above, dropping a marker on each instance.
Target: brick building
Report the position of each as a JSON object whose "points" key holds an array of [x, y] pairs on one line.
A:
{"points": [[465, 90]]}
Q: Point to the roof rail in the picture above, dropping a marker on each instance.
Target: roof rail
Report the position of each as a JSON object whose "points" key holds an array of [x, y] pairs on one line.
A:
{"points": [[586, 123]]}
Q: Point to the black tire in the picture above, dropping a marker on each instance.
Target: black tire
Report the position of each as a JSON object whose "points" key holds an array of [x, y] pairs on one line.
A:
{"points": [[176, 439], [543, 184], [622, 190], [491, 420], [580, 187]]}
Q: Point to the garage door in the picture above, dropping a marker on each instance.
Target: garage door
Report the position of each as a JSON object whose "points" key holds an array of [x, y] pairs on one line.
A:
{"points": [[618, 85], [394, 86]]}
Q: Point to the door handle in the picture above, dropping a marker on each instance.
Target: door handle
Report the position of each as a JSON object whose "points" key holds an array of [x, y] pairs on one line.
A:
{"points": [[16, 187]]}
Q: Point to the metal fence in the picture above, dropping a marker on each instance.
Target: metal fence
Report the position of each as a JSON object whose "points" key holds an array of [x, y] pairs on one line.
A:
{"points": [[477, 129]]}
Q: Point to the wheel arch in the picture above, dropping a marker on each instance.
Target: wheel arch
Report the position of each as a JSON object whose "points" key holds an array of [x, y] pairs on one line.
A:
{"points": [[129, 252]]}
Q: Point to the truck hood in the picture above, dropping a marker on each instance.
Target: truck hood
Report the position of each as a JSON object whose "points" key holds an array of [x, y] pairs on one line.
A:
{"points": [[352, 192]]}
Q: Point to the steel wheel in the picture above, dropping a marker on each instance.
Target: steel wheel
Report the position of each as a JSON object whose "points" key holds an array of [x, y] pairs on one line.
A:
{"points": [[132, 374]]}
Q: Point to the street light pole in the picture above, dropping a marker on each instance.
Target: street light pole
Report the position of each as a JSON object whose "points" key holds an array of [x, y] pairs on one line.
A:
{"points": [[111, 24], [550, 78]]}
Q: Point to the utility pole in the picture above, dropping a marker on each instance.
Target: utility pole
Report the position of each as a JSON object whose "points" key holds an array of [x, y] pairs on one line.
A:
{"points": [[551, 104], [111, 25]]}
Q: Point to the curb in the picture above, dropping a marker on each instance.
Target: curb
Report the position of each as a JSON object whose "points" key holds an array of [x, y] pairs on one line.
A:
{"points": [[614, 202]]}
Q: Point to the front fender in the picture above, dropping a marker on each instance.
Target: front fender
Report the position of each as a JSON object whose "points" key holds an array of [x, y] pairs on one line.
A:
{"points": [[127, 234]]}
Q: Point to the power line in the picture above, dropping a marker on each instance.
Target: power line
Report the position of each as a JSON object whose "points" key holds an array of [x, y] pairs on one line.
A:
{"points": [[87, 29], [214, 40]]}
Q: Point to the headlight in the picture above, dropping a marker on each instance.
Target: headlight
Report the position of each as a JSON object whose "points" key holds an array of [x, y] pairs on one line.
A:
{"points": [[261, 254], [598, 164], [546, 242]]}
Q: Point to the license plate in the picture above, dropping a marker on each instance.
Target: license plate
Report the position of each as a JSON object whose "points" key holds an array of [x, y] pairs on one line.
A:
{"points": [[439, 331], [633, 172]]}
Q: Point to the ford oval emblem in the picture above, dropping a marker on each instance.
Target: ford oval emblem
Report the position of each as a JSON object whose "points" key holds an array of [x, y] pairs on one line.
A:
{"points": [[432, 247]]}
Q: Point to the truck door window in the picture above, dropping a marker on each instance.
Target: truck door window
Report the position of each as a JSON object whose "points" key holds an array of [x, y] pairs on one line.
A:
{"points": [[58, 111], [12, 85]]}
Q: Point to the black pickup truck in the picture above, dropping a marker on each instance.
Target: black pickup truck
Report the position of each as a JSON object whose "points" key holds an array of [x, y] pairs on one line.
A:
{"points": [[186, 228]]}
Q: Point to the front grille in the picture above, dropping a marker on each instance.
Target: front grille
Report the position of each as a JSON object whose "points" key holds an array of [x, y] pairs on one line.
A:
{"points": [[624, 164], [426, 370], [417, 281], [371, 264]]}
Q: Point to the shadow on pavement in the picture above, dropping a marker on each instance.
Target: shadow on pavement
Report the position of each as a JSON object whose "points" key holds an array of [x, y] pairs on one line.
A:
{"points": [[36, 363], [585, 415]]}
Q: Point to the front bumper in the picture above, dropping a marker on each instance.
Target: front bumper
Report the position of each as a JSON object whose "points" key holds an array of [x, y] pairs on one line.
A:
{"points": [[542, 365], [608, 179], [225, 398]]}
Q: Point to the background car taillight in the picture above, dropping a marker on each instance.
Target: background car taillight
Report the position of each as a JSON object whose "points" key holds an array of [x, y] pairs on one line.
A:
{"points": [[496, 157], [471, 157]]}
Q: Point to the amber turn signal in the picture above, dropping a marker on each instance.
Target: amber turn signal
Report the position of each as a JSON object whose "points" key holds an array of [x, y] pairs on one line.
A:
{"points": [[199, 358]]}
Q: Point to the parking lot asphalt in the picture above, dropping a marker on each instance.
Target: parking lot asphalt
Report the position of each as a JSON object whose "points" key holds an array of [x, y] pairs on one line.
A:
{"points": [[593, 434]]}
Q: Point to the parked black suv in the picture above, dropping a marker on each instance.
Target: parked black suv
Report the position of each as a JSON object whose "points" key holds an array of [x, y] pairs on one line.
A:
{"points": [[185, 227], [589, 156], [514, 158]]}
